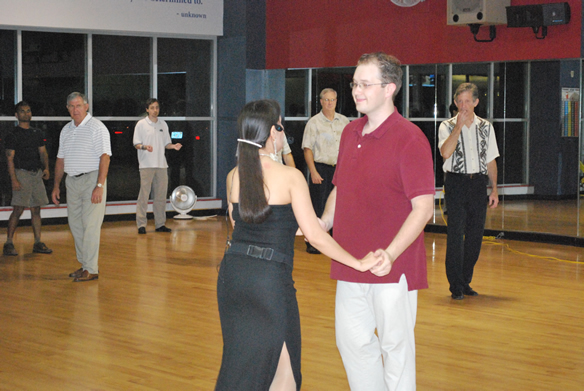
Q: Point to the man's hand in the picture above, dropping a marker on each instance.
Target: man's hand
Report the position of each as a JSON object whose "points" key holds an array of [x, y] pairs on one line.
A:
{"points": [[493, 199], [148, 148], [96, 195], [46, 174], [56, 195], [315, 177], [384, 267], [177, 146], [16, 186]]}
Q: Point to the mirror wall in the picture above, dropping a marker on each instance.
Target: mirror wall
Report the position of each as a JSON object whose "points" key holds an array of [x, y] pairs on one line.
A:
{"points": [[534, 108]]}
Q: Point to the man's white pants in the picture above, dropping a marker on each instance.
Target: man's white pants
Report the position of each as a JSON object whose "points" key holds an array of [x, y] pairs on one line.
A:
{"points": [[373, 363]]}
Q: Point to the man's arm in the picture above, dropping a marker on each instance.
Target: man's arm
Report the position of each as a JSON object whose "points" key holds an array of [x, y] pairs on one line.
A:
{"points": [[289, 160], [144, 147], [176, 146], [59, 172], [11, 171], [45, 160], [422, 210], [449, 145], [328, 216], [97, 194], [492, 172], [309, 158]]}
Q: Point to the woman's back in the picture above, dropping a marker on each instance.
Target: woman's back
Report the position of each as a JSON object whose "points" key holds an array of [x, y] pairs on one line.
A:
{"points": [[276, 232]]}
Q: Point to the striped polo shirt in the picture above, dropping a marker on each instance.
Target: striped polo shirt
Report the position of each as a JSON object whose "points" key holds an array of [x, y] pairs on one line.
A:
{"points": [[82, 146]]}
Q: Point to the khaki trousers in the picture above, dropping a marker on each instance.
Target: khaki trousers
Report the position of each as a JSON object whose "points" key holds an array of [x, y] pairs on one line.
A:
{"points": [[85, 218], [155, 180]]}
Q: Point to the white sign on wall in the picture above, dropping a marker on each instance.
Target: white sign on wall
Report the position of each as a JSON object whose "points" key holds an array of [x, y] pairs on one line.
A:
{"points": [[152, 17]]}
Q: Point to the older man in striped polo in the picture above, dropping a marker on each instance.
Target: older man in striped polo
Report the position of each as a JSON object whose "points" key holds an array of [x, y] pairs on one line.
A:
{"points": [[84, 155]]}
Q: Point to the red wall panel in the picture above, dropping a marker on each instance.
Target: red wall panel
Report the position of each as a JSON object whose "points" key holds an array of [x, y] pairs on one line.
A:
{"points": [[332, 33]]}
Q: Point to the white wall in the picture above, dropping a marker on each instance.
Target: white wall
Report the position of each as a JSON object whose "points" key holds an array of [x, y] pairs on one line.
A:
{"points": [[151, 17]]}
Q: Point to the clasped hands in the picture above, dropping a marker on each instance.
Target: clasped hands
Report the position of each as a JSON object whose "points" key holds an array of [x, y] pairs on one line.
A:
{"points": [[378, 262]]}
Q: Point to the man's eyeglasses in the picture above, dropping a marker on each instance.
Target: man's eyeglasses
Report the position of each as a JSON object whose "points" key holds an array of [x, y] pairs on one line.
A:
{"points": [[330, 100], [364, 86]]}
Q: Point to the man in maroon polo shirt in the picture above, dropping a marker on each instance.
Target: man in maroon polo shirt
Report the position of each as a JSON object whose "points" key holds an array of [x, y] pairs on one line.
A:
{"points": [[383, 198]]}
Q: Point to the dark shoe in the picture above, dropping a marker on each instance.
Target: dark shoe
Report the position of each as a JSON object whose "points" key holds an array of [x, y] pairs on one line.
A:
{"points": [[468, 291], [40, 247], [163, 229], [311, 249], [457, 296], [9, 249], [77, 273], [85, 276], [142, 230]]}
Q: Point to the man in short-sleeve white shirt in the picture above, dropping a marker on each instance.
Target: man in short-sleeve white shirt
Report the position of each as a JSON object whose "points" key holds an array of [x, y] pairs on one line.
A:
{"points": [[151, 139]]}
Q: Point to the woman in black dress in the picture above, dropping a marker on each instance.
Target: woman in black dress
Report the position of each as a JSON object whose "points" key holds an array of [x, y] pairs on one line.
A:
{"points": [[255, 291]]}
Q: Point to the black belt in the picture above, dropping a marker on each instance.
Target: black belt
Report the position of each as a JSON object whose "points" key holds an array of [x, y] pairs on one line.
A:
{"points": [[324, 164], [266, 253], [78, 175], [35, 170], [469, 176]]}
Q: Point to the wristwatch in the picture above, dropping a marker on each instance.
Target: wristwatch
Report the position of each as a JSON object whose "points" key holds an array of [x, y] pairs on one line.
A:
{"points": [[99, 185]]}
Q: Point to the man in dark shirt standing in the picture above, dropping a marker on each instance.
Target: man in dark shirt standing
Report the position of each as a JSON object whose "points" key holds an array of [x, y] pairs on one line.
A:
{"points": [[28, 165]]}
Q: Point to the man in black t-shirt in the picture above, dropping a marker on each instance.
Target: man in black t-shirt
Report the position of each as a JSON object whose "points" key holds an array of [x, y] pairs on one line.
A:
{"points": [[28, 165]]}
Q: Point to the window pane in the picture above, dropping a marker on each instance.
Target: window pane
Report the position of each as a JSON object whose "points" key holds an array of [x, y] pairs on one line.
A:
{"points": [[121, 75], [7, 73], [294, 133], [428, 91], [337, 79], [476, 74], [53, 66], [296, 94], [509, 94], [512, 143], [184, 77], [191, 165]]}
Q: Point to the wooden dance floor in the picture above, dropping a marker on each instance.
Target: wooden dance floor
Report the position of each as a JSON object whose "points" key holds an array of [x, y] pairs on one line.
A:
{"points": [[151, 323]]}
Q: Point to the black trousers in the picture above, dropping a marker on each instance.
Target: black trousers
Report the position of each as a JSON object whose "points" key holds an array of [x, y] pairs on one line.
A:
{"points": [[319, 193], [466, 197]]}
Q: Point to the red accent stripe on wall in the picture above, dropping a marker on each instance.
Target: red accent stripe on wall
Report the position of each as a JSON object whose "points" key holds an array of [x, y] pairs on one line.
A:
{"points": [[332, 33]]}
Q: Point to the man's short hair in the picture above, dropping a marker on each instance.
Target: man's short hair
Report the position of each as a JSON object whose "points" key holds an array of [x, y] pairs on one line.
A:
{"points": [[389, 68], [75, 95], [326, 91], [19, 105], [150, 101], [470, 87]]}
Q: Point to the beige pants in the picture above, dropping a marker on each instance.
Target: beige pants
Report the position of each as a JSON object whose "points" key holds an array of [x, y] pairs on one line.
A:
{"points": [[85, 218], [155, 180]]}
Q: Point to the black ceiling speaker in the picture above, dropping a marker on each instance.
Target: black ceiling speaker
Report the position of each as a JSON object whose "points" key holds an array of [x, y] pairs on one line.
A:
{"points": [[537, 15]]}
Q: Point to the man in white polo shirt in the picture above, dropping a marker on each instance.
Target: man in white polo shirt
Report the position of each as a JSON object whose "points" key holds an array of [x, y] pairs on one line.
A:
{"points": [[151, 138], [84, 154]]}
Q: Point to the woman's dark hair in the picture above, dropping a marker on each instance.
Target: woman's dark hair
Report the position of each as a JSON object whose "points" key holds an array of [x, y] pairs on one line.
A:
{"points": [[254, 124]]}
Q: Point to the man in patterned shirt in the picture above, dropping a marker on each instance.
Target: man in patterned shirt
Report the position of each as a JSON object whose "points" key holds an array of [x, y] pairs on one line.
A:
{"points": [[320, 143], [469, 149]]}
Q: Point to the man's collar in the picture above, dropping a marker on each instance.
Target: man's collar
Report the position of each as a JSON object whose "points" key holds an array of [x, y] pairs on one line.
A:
{"points": [[383, 128], [85, 120]]}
